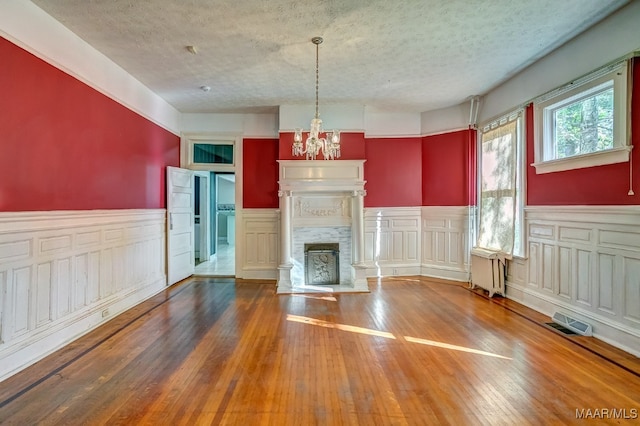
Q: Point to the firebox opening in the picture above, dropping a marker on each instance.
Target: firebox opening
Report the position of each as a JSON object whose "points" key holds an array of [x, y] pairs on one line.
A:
{"points": [[321, 263]]}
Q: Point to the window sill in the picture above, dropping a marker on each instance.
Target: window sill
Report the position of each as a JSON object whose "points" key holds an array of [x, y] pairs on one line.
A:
{"points": [[610, 156]]}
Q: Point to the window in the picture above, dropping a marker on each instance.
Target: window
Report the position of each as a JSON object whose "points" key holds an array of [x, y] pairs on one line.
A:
{"points": [[500, 186], [202, 152], [583, 124], [209, 153]]}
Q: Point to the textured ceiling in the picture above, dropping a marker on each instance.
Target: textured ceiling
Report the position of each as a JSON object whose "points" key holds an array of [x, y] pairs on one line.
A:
{"points": [[402, 55]]}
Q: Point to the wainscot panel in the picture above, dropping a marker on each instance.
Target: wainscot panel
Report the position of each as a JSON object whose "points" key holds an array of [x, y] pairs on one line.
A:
{"points": [[446, 242], [260, 257], [63, 273], [583, 261], [392, 244]]}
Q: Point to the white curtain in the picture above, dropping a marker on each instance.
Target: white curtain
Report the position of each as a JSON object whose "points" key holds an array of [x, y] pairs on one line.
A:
{"points": [[498, 188]]}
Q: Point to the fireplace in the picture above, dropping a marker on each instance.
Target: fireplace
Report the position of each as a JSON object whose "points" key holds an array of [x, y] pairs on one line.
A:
{"points": [[321, 206], [321, 264]]}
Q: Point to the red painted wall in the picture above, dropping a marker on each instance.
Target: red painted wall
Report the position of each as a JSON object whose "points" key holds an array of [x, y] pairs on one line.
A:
{"points": [[65, 146], [260, 173], [448, 169], [393, 172], [602, 185], [352, 146]]}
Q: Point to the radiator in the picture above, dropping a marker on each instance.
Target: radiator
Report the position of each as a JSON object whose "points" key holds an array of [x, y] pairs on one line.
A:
{"points": [[487, 270]]}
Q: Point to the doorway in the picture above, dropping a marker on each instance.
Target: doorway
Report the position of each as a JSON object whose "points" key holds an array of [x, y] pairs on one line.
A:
{"points": [[216, 159], [215, 200]]}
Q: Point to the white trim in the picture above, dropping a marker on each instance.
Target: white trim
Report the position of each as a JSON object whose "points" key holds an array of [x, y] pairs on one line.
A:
{"points": [[188, 140], [448, 211], [186, 143], [59, 219], [610, 156], [393, 270], [591, 214], [444, 132], [303, 176], [612, 76], [386, 136], [444, 273], [324, 130]]}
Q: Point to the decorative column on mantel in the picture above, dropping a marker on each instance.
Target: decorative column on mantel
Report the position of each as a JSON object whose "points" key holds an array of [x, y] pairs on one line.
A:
{"points": [[359, 277], [284, 270]]}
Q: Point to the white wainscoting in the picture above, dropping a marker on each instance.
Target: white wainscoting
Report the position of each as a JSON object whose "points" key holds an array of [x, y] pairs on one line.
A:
{"points": [[429, 241], [260, 249], [446, 236], [392, 241], [584, 262], [63, 273]]}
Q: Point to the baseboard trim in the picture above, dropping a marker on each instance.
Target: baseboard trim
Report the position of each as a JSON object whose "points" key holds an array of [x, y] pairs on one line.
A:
{"points": [[445, 273], [616, 335], [25, 353]]}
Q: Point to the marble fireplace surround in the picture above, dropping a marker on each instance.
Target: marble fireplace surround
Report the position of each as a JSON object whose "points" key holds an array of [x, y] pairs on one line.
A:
{"points": [[321, 201]]}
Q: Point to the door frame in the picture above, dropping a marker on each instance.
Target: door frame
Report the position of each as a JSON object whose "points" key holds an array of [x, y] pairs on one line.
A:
{"points": [[218, 177], [205, 219], [187, 140]]}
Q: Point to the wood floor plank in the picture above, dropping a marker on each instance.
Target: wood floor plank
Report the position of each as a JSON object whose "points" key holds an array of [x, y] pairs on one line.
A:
{"points": [[413, 351]]}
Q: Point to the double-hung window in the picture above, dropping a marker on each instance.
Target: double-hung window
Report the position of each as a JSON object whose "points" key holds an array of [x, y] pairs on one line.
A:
{"points": [[584, 123], [500, 185]]}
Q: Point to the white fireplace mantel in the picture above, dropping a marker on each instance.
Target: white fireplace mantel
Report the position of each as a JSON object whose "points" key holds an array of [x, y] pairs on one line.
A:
{"points": [[321, 195]]}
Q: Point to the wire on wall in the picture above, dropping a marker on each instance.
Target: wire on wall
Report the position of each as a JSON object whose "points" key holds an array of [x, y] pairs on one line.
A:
{"points": [[630, 78]]}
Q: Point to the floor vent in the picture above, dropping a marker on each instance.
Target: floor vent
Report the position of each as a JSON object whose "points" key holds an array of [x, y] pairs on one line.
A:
{"points": [[559, 327], [576, 326]]}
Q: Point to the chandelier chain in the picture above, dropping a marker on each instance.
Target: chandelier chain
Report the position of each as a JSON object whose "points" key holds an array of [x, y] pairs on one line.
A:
{"points": [[318, 141], [317, 77]]}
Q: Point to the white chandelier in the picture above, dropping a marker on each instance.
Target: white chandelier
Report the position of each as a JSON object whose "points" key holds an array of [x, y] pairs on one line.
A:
{"points": [[328, 145]]}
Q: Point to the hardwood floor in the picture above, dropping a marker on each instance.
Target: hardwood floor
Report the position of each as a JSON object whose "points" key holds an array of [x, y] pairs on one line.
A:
{"points": [[413, 351]]}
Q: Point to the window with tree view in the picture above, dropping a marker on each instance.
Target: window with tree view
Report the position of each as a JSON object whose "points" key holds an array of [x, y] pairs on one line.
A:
{"points": [[583, 124]]}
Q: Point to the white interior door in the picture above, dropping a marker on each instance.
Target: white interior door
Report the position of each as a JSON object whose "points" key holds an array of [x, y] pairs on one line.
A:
{"points": [[180, 224]]}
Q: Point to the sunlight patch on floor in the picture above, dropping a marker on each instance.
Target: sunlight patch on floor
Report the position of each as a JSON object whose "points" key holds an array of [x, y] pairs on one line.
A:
{"points": [[452, 347], [329, 298], [344, 327], [387, 335]]}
